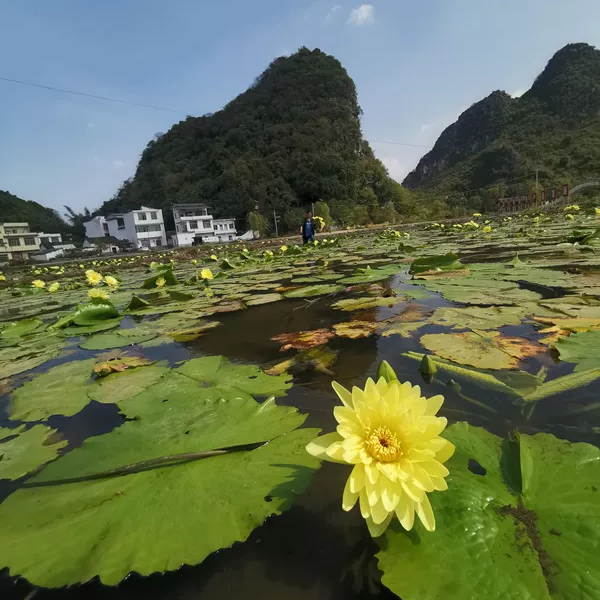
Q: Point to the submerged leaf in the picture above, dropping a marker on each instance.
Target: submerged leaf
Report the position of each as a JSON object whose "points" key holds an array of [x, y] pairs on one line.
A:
{"points": [[302, 340]]}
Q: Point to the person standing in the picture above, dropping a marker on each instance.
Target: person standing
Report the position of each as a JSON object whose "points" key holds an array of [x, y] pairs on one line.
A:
{"points": [[308, 229]]}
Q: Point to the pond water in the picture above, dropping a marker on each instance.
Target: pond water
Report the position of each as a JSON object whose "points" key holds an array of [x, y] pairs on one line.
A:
{"points": [[314, 550]]}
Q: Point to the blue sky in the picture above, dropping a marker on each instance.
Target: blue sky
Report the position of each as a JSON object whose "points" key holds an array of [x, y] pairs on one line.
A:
{"points": [[416, 65]]}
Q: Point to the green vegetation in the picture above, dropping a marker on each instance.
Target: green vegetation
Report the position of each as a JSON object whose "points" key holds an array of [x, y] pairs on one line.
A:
{"points": [[554, 127], [40, 218]]}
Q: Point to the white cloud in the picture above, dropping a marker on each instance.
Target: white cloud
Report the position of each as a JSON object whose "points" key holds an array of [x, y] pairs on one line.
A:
{"points": [[332, 11], [518, 93], [118, 164], [363, 15]]}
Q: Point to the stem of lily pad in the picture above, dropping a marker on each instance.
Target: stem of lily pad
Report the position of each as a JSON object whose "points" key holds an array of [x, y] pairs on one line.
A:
{"points": [[145, 465]]}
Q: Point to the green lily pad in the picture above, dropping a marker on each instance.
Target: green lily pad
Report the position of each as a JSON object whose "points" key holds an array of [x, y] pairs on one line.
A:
{"points": [[18, 329], [446, 262], [582, 349], [369, 275], [123, 337], [314, 290], [352, 304], [91, 314], [258, 299], [481, 349], [158, 519], [60, 391], [475, 317], [89, 329], [218, 371], [136, 303], [119, 386], [524, 523], [166, 274], [22, 450]]}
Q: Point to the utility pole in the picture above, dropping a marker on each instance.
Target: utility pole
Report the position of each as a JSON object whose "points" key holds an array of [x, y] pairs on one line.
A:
{"points": [[276, 219], [313, 209], [537, 185]]}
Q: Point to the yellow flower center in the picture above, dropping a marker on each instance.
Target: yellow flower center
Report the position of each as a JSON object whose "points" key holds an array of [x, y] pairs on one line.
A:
{"points": [[383, 445]]}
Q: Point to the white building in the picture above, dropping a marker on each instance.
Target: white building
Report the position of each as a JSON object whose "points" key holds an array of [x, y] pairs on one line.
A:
{"points": [[51, 247], [144, 228], [193, 222]]}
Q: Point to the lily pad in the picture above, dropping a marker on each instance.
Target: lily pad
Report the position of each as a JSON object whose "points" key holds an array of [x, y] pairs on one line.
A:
{"points": [[479, 318], [92, 313], [352, 304], [18, 329], [314, 290], [518, 520], [369, 275], [481, 349], [582, 349], [446, 262], [303, 340], [156, 520], [123, 337], [22, 450], [60, 391], [119, 386], [166, 274], [355, 329], [258, 299]]}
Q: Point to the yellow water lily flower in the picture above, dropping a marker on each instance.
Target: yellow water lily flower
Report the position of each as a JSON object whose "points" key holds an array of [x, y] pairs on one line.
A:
{"points": [[112, 281], [38, 283], [2, 278], [93, 277], [160, 282], [487, 222], [194, 262], [570, 217], [98, 293], [37, 272], [213, 257], [476, 214], [390, 436], [597, 209], [283, 248], [54, 287], [206, 274], [487, 229]]}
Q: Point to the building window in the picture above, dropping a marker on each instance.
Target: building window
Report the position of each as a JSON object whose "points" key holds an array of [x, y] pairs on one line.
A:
{"points": [[2, 242], [105, 229], [193, 224], [230, 225], [206, 224], [14, 241], [153, 216], [230, 237], [121, 223], [29, 241], [141, 216], [159, 241]]}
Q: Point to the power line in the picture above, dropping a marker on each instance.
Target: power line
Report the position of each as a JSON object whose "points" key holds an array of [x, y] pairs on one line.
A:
{"points": [[56, 89], [173, 110]]}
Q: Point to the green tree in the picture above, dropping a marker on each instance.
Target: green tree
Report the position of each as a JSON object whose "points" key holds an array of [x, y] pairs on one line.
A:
{"points": [[258, 223], [388, 213], [322, 210]]}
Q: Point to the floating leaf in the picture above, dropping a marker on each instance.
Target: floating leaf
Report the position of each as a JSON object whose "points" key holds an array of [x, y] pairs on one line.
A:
{"points": [[192, 333], [518, 520], [194, 507], [137, 303], [218, 371], [403, 329], [446, 262], [166, 274], [303, 340], [484, 350], [314, 290], [352, 304], [18, 329], [180, 296], [118, 365], [475, 317], [258, 299], [92, 313], [580, 348], [60, 391], [123, 337], [369, 275], [355, 329], [22, 450]]}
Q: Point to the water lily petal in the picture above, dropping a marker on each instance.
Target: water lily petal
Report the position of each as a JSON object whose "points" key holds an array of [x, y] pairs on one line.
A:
{"points": [[425, 513]]}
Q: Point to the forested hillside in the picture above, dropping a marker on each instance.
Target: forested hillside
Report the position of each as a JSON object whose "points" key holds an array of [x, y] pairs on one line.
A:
{"points": [[554, 127], [40, 218], [293, 138]]}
